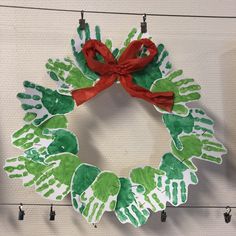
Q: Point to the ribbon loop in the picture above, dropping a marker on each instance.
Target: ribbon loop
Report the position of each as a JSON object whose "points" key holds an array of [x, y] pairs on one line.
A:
{"points": [[111, 70]]}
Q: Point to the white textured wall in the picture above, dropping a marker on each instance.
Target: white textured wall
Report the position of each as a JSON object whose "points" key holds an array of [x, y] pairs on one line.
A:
{"points": [[116, 132]]}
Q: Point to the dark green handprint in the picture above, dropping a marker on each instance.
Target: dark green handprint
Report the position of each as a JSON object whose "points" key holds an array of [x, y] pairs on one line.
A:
{"points": [[83, 177], [67, 75], [43, 103], [175, 182], [128, 210], [195, 122]]}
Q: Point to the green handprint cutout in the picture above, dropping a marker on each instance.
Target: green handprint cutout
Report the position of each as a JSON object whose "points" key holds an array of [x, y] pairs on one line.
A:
{"points": [[30, 135], [55, 183], [25, 169], [83, 177], [204, 147], [175, 182], [101, 196], [195, 122], [61, 140], [43, 103], [152, 197], [67, 76], [185, 91], [128, 209]]}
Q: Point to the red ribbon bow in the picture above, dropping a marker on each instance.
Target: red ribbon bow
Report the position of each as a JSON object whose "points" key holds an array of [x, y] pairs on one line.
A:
{"points": [[121, 70]]}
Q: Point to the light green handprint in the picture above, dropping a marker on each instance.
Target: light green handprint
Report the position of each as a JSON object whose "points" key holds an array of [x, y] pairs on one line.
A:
{"points": [[185, 91], [83, 177], [128, 209], [43, 103], [101, 196], [25, 169], [175, 182], [54, 184], [61, 140], [31, 136], [204, 147], [152, 197], [67, 76], [195, 122]]}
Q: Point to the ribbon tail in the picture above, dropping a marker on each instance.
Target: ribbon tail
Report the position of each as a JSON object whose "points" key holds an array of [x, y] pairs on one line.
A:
{"points": [[82, 95], [163, 100]]}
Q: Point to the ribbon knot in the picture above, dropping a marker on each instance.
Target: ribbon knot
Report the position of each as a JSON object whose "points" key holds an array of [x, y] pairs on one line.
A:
{"points": [[111, 70]]}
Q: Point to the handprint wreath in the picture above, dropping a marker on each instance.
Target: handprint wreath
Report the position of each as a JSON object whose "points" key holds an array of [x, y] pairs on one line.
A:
{"points": [[50, 161]]}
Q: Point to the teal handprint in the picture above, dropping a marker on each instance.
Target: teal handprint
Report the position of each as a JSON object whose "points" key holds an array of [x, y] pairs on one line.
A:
{"points": [[128, 209], [175, 182], [43, 103], [185, 91], [67, 75], [83, 177], [101, 196], [31, 136], [196, 121], [61, 140], [152, 197], [25, 169], [55, 183], [204, 147]]}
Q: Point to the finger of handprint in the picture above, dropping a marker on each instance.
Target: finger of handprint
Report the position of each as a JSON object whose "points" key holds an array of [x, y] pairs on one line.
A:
{"points": [[190, 89], [189, 163], [180, 109], [140, 215], [188, 97], [155, 202], [162, 60], [175, 75], [213, 146]]}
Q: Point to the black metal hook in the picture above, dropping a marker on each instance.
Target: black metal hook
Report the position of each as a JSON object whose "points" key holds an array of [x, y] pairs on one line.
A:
{"points": [[21, 213], [163, 216], [227, 215], [144, 24], [82, 21], [52, 214]]}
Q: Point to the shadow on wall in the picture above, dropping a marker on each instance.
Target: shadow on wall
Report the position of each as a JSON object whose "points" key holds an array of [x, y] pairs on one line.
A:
{"points": [[206, 189]]}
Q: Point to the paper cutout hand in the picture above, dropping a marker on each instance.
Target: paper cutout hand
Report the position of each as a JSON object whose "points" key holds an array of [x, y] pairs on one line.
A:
{"points": [[196, 121], [147, 177], [101, 196], [67, 76], [83, 177], [55, 182], [204, 147], [128, 209], [30, 135], [175, 182], [43, 103], [25, 169], [185, 90]]}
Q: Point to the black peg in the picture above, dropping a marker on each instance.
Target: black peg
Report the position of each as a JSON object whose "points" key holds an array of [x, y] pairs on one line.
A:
{"points": [[163, 216], [52, 214], [227, 215], [82, 21], [144, 24], [21, 213]]}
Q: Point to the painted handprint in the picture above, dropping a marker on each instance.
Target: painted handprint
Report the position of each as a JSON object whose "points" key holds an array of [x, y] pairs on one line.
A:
{"points": [[54, 183], [195, 122], [128, 209], [177, 179], [101, 196], [30, 135], [204, 147], [67, 75], [152, 197], [83, 177], [25, 169], [77, 44], [185, 91], [158, 68], [61, 140], [43, 103]]}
